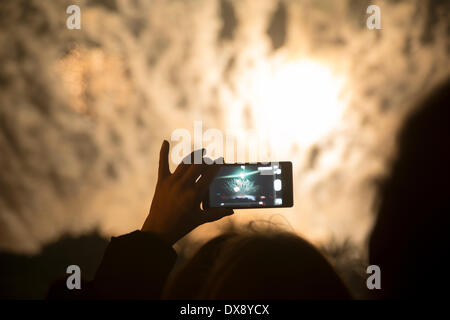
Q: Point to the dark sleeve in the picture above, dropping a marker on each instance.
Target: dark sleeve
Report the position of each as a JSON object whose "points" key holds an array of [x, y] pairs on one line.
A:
{"points": [[134, 266]]}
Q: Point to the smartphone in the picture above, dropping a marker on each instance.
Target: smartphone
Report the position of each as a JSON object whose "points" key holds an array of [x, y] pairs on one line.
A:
{"points": [[251, 185]]}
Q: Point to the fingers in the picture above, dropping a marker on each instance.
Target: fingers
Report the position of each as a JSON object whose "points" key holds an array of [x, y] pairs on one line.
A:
{"points": [[214, 214], [207, 177], [163, 170], [192, 174], [187, 162]]}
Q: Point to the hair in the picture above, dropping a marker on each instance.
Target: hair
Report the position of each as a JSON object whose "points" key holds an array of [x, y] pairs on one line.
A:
{"points": [[187, 282], [409, 239], [256, 265]]}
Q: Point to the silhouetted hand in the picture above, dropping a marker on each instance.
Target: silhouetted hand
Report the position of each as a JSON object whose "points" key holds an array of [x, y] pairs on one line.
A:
{"points": [[175, 209]]}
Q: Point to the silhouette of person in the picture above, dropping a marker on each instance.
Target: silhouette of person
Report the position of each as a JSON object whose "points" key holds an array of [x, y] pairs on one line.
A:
{"points": [[136, 265], [257, 265], [409, 241], [273, 265]]}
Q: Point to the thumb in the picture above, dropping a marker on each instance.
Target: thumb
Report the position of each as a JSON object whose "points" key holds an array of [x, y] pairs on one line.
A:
{"points": [[214, 214]]}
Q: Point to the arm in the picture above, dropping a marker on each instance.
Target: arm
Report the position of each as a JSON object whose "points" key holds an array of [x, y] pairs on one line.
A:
{"points": [[136, 265]]}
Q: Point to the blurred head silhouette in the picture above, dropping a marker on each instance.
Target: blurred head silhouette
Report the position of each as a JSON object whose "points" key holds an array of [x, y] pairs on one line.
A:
{"points": [[186, 283], [257, 265], [410, 239]]}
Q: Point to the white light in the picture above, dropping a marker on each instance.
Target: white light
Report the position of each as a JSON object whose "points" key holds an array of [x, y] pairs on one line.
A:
{"points": [[242, 175], [236, 189], [278, 171], [278, 201], [277, 185], [305, 97]]}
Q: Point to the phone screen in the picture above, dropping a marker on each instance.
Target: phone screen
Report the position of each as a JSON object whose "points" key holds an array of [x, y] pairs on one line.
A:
{"points": [[252, 186]]}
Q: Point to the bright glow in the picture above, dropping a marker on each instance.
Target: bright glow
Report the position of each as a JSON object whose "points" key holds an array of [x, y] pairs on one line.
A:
{"points": [[277, 185], [236, 189], [295, 102]]}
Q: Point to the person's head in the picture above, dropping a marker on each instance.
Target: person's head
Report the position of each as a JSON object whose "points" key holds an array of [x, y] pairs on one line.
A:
{"points": [[256, 265], [409, 239], [187, 282]]}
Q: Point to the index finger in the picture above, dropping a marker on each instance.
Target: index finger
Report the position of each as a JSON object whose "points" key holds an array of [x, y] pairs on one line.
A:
{"points": [[163, 170]]}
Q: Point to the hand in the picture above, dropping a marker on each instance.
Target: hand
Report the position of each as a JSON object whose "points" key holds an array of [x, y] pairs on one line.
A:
{"points": [[175, 209]]}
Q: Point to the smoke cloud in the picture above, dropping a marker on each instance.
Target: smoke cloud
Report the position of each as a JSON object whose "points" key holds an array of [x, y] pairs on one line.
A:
{"points": [[83, 112]]}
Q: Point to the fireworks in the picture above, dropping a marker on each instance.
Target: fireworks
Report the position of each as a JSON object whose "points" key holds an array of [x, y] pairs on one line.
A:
{"points": [[241, 186]]}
